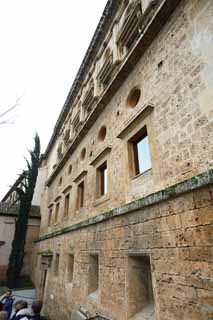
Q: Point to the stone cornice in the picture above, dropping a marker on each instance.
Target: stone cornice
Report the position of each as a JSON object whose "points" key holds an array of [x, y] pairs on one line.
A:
{"points": [[101, 30], [197, 182], [149, 31], [6, 209]]}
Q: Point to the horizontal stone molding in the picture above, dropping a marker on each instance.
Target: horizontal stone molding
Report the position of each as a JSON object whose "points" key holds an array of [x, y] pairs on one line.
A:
{"points": [[8, 209], [149, 31], [80, 176], [143, 113], [196, 182], [102, 154]]}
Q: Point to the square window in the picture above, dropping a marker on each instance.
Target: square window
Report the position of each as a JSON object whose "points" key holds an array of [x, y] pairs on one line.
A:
{"points": [[66, 205], [140, 158], [102, 180], [80, 196]]}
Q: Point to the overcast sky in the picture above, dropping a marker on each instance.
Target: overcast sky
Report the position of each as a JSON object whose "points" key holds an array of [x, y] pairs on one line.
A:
{"points": [[42, 44]]}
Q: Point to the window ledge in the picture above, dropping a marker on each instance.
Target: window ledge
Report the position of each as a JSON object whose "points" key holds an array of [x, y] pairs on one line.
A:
{"points": [[148, 312], [56, 224], [93, 296], [80, 211], [145, 173], [101, 200]]}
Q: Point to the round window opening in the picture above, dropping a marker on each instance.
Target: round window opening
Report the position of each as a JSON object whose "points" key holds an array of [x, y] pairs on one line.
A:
{"points": [[133, 97], [83, 153], [102, 133]]}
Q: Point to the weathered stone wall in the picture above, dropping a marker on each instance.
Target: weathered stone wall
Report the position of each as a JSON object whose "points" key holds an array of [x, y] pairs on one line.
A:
{"points": [[7, 228], [179, 128], [178, 236], [175, 77]]}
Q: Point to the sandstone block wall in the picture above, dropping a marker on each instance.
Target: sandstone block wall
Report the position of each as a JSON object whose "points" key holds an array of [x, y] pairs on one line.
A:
{"points": [[174, 75], [7, 228], [171, 241], [176, 235]]}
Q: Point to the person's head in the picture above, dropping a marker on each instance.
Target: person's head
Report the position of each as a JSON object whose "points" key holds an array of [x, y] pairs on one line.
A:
{"points": [[20, 304], [24, 305], [8, 293], [37, 306], [3, 315]]}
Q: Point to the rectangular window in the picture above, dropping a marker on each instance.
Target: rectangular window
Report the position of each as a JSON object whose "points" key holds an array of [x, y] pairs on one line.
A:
{"points": [[56, 265], [57, 212], [66, 205], [50, 216], [102, 180], [80, 196], [70, 267], [139, 153], [93, 273], [140, 290]]}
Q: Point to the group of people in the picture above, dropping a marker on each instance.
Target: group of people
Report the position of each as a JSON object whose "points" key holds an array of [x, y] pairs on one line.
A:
{"points": [[21, 310]]}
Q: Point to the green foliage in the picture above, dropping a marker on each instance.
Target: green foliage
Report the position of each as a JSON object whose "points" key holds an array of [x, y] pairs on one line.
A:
{"points": [[25, 193], [3, 288], [48, 253]]}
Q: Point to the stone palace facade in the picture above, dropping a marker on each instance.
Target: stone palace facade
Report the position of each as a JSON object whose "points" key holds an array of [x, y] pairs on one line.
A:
{"points": [[127, 209]]}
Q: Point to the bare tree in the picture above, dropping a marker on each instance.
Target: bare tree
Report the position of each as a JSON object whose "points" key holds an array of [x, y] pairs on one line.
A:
{"points": [[6, 116]]}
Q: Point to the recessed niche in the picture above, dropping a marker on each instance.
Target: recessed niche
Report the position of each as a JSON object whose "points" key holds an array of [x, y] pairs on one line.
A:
{"points": [[133, 97], [83, 154], [102, 133], [93, 273], [140, 289], [70, 169]]}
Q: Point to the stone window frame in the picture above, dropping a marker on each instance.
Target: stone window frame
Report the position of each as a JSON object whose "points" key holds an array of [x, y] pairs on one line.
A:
{"points": [[67, 204], [57, 209], [50, 214], [142, 118], [96, 163], [134, 165], [130, 31], [79, 181], [60, 151], [80, 195], [67, 192], [107, 68], [100, 180]]}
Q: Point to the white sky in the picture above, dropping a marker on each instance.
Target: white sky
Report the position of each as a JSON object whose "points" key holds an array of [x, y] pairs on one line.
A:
{"points": [[42, 44]]}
